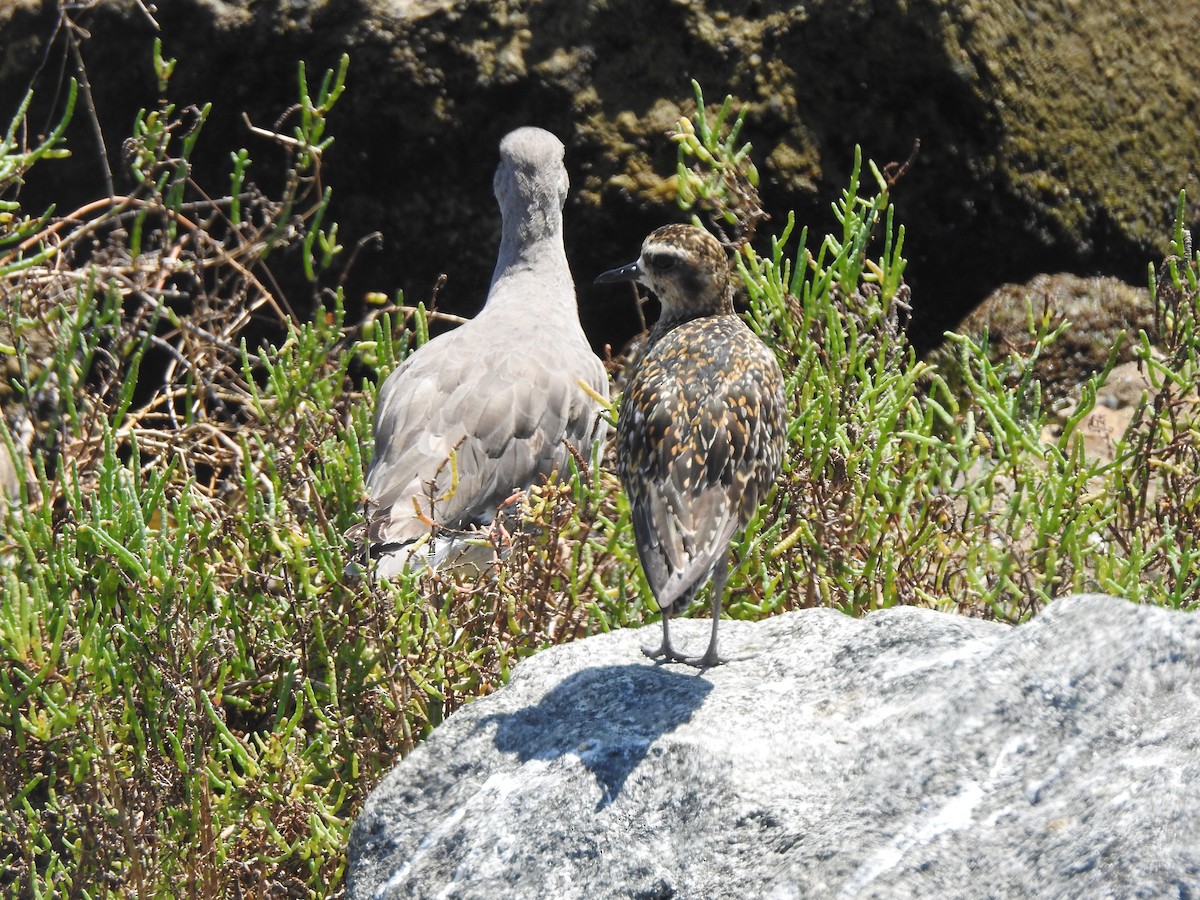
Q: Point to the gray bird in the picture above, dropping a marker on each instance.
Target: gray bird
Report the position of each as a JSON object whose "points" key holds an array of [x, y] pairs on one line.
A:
{"points": [[701, 428], [490, 408]]}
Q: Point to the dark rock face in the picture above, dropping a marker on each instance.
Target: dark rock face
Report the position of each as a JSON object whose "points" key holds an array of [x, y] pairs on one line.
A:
{"points": [[907, 754], [1054, 135]]}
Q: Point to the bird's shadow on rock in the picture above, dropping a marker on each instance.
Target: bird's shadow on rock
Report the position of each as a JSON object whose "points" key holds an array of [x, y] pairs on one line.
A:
{"points": [[608, 717]]}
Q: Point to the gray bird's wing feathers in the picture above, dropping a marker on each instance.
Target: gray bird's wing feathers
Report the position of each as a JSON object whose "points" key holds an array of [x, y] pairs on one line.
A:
{"points": [[455, 438], [699, 449]]}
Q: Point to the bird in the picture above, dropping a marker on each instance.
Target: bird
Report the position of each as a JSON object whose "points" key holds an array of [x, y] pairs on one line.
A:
{"points": [[493, 407], [700, 428]]}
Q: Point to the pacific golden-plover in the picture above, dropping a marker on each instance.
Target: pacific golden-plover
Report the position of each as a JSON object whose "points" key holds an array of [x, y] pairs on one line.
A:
{"points": [[701, 427], [499, 403]]}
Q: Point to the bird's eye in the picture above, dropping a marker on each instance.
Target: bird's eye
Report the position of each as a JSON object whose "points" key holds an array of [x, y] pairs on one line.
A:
{"points": [[662, 262]]}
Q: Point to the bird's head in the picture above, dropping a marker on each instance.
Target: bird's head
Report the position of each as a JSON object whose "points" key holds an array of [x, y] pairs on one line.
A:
{"points": [[685, 267], [531, 175]]}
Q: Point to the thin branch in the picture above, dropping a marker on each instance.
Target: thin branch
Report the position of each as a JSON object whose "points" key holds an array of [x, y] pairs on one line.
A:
{"points": [[89, 105]]}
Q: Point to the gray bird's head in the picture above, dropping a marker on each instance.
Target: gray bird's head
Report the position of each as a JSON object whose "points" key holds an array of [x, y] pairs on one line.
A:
{"points": [[531, 180], [686, 268]]}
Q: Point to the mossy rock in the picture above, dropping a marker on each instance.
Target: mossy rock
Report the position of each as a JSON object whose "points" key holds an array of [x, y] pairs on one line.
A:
{"points": [[1055, 136]]}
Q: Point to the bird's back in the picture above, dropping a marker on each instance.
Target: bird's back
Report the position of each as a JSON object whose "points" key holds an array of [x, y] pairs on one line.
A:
{"points": [[477, 414], [700, 442], [490, 408]]}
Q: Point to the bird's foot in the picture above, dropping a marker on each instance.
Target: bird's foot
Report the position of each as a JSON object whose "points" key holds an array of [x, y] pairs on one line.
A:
{"points": [[712, 658], [707, 660], [664, 653]]}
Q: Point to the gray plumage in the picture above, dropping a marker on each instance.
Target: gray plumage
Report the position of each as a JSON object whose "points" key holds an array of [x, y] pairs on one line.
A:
{"points": [[701, 428], [489, 408]]}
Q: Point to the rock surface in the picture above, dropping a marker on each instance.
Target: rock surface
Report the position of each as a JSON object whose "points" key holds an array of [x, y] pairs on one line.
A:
{"points": [[1055, 134], [908, 754], [1102, 314], [1098, 311]]}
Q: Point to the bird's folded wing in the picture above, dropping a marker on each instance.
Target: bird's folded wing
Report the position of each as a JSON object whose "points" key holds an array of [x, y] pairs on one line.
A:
{"points": [[454, 439], [684, 465]]}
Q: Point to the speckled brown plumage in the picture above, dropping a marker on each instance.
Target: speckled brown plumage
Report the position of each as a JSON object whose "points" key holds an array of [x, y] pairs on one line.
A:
{"points": [[702, 424]]}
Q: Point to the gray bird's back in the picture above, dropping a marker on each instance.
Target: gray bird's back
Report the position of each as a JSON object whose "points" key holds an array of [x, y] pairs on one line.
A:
{"points": [[489, 408]]}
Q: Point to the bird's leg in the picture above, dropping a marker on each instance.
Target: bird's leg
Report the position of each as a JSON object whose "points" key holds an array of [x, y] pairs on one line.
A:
{"points": [[663, 649], [710, 657]]}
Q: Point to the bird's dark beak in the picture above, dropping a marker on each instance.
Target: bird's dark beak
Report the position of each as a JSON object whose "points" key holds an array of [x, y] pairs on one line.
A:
{"points": [[625, 273]]}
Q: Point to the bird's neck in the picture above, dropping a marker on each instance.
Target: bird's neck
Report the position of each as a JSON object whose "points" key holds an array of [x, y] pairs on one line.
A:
{"points": [[532, 263], [680, 311], [534, 238]]}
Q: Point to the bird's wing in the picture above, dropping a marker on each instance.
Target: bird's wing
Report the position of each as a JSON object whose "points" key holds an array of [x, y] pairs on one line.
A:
{"points": [[455, 437], [683, 511], [697, 452]]}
